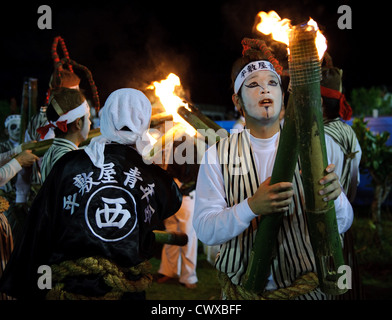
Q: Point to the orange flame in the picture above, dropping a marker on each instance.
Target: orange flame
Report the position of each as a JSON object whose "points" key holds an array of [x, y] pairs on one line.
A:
{"points": [[271, 24], [165, 91], [321, 42]]}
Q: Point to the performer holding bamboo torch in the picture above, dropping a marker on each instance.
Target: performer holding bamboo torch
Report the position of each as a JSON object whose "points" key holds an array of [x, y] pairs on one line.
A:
{"points": [[234, 192]]}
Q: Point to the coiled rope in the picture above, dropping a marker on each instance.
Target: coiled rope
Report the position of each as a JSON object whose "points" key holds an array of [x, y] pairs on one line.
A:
{"points": [[303, 285], [113, 275], [258, 44]]}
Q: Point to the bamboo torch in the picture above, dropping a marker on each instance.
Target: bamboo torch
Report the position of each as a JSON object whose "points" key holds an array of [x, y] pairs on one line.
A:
{"points": [[210, 123], [24, 111], [209, 129], [305, 73], [159, 118], [39, 148], [173, 238], [173, 134], [33, 93], [259, 265]]}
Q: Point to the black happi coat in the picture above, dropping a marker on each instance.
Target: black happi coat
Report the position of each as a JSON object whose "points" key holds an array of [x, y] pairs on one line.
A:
{"points": [[83, 211]]}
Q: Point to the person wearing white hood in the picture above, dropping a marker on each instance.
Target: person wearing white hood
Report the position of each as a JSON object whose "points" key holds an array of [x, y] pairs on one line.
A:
{"points": [[97, 207]]}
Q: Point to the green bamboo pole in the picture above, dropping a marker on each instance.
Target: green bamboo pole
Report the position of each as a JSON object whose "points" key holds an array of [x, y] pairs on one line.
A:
{"points": [[33, 93], [173, 238], [24, 111], [39, 148], [210, 123], [259, 265], [170, 136], [305, 71], [212, 134]]}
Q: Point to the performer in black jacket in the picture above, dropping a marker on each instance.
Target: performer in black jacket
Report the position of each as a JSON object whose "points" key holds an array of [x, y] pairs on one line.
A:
{"points": [[89, 233]]}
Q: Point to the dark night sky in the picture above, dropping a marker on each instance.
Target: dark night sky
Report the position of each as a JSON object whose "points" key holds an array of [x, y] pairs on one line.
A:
{"points": [[131, 43]]}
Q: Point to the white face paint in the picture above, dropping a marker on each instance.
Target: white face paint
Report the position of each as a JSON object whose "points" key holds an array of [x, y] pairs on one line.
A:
{"points": [[13, 128], [262, 96]]}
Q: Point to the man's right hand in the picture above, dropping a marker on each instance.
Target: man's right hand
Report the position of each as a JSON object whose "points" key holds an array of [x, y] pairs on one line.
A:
{"points": [[26, 158], [271, 198]]}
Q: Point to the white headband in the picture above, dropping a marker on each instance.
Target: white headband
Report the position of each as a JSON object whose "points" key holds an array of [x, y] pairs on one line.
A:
{"points": [[10, 118], [251, 68], [64, 119], [73, 114]]}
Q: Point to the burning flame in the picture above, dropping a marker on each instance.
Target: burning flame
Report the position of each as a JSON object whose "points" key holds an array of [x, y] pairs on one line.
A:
{"points": [[321, 42], [165, 91], [271, 23], [279, 29]]}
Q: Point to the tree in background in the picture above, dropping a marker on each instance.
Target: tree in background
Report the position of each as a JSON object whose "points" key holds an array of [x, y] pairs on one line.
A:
{"points": [[363, 101], [377, 161]]}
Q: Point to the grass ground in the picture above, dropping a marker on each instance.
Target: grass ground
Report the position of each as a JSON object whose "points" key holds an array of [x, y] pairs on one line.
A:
{"points": [[374, 256], [207, 287]]}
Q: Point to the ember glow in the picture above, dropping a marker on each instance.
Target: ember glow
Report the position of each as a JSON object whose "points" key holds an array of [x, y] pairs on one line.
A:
{"points": [[271, 24], [165, 91]]}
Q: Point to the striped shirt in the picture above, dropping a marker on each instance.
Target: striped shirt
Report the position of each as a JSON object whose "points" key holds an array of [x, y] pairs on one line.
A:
{"points": [[9, 147], [345, 153], [58, 148], [294, 254]]}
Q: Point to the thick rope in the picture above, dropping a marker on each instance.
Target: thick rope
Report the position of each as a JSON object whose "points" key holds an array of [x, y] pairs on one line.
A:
{"points": [[303, 285], [4, 204], [89, 76], [113, 275], [259, 44], [59, 64], [55, 55]]}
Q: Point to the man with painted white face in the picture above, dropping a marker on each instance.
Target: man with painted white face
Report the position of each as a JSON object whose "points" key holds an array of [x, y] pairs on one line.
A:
{"points": [[14, 158], [234, 191], [12, 129]]}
